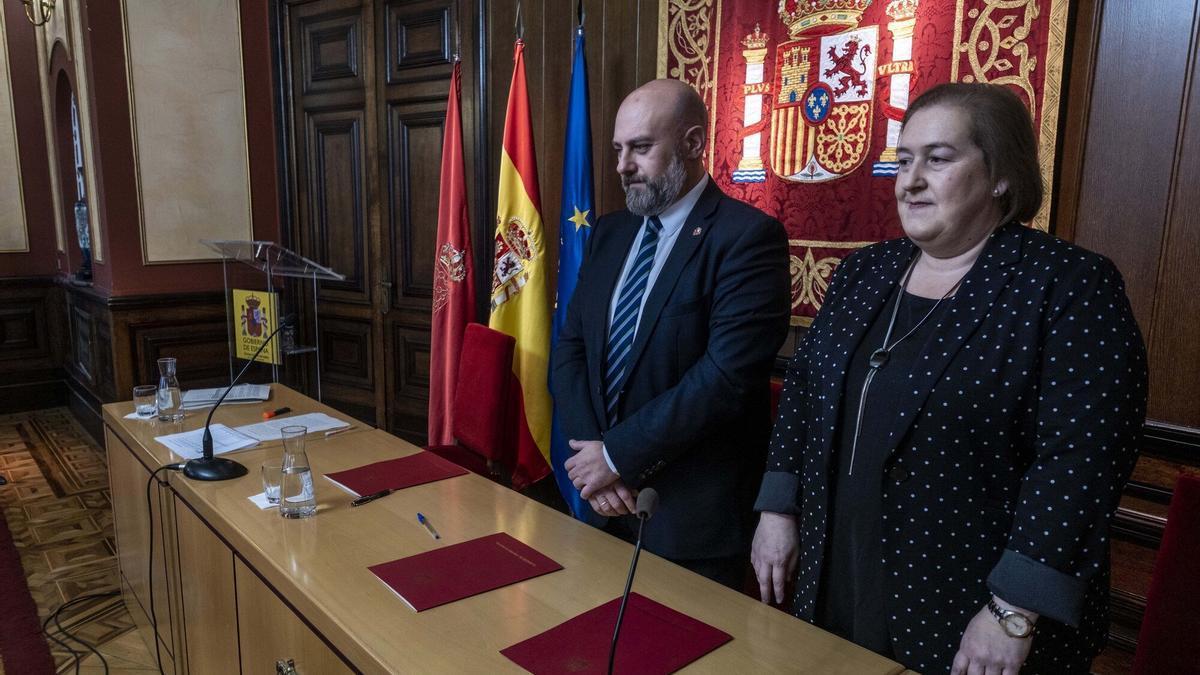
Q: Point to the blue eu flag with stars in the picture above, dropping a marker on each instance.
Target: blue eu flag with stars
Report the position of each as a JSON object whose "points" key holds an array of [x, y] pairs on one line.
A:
{"points": [[574, 226]]}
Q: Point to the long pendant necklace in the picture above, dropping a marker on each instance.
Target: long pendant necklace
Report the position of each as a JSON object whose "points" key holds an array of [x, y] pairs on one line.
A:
{"points": [[879, 357]]}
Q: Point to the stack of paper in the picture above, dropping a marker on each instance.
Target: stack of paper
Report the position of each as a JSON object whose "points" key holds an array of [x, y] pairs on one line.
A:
{"points": [[189, 444], [269, 430], [242, 393]]}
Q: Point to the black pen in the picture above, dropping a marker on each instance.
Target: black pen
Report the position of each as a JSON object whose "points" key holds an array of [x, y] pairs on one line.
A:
{"points": [[372, 497]]}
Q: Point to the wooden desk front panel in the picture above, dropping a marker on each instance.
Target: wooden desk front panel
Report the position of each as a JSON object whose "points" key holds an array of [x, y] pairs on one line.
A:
{"points": [[131, 521], [208, 599], [271, 632]]}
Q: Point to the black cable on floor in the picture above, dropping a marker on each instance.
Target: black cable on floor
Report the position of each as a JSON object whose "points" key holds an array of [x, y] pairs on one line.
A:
{"points": [[150, 561], [74, 654], [68, 634]]}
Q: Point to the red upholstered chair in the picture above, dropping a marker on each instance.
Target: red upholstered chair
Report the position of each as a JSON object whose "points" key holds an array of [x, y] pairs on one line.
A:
{"points": [[1172, 619], [480, 416]]}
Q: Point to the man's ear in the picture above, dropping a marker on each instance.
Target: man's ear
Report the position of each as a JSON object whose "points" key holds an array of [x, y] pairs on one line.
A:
{"points": [[694, 140]]}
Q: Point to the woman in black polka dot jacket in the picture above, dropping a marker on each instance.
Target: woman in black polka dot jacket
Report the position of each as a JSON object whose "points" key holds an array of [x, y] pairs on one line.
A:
{"points": [[957, 426]]}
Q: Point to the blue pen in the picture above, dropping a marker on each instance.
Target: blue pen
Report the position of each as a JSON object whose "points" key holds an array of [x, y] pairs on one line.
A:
{"points": [[428, 527]]}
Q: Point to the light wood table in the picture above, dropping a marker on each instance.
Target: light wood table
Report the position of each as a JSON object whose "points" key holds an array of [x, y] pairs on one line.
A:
{"points": [[241, 587]]}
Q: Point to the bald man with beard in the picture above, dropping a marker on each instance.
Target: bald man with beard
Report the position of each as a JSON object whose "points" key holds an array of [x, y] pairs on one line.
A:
{"points": [[661, 372]]}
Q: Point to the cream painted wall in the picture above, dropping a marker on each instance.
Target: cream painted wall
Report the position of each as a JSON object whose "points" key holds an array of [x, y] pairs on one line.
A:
{"points": [[184, 61], [14, 235]]}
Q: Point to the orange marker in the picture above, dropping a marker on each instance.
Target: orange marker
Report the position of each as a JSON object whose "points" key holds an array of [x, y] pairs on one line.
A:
{"points": [[268, 414]]}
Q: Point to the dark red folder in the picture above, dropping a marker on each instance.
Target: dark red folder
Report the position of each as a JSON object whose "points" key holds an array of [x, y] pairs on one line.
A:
{"points": [[654, 639], [396, 474], [455, 572]]}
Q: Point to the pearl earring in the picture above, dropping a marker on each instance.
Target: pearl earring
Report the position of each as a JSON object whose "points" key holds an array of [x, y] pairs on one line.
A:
{"points": [[996, 192]]}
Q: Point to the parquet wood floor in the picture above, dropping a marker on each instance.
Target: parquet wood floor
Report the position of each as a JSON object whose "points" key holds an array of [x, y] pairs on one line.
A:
{"points": [[57, 505]]}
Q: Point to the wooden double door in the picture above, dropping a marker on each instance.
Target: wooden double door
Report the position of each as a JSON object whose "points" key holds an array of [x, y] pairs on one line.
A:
{"points": [[364, 94]]}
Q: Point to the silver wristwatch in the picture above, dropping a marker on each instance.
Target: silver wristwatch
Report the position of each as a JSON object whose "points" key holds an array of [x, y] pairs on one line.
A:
{"points": [[1015, 624]]}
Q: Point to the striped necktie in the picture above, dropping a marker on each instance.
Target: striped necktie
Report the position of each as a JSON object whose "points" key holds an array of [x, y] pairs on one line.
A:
{"points": [[625, 318]]}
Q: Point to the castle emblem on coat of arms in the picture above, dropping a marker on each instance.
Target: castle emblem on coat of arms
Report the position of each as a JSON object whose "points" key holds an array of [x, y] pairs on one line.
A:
{"points": [[821, 94], [514, 252]]}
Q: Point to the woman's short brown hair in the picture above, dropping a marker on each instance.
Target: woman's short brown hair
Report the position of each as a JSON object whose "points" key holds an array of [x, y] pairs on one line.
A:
{"points": [[1002, 128]]}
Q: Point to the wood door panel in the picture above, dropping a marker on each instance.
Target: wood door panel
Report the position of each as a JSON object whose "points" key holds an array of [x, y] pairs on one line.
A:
{"points": [[415, 148], [419, 41], [337, 193], [410, 383], [331, 47], [346, 355]]}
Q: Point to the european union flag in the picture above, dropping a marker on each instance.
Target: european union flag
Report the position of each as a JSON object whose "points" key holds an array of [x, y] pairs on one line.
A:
{"points": [[574, 226]]}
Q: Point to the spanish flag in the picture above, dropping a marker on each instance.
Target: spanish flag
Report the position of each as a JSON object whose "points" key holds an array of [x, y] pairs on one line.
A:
{"points": [[520, 289]]}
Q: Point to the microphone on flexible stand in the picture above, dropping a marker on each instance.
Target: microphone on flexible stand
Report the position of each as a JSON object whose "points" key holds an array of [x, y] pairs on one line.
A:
{"points": [[647, 501], [208, 467]]}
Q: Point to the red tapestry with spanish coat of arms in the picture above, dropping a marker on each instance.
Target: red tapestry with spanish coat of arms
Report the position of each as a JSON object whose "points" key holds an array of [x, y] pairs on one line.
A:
{"points": [[806, 98]]}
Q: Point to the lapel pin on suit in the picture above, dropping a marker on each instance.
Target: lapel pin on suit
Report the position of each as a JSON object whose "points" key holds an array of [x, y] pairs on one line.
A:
{"points": [[696, 232]]}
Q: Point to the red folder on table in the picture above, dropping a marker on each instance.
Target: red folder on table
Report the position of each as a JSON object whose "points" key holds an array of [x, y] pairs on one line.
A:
{"points": [[654, 639], [395, 474], [455, 572]]}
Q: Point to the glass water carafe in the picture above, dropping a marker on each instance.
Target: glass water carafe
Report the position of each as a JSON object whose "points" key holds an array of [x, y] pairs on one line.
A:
{"points": [[169, 404], [296, 496]]}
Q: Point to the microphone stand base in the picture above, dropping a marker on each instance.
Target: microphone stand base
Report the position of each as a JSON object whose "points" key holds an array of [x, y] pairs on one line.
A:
{"points": [[213, 468]]}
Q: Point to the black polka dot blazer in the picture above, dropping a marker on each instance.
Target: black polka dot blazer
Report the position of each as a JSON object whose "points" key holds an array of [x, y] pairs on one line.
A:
{"points": [[1009, 457]]}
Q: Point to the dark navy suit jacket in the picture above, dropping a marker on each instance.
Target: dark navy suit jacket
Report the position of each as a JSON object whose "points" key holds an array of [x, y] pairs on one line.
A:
{"points": [[694, 418]]}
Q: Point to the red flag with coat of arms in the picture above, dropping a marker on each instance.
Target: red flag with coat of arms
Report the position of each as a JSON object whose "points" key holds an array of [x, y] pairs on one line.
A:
{"points": [[453, 279]]}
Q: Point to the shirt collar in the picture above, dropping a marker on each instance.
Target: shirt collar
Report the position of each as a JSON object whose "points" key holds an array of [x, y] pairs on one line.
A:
{"points": [[676, 215]]}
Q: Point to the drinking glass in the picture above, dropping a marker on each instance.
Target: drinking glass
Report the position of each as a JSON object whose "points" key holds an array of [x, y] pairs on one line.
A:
{"points": [[296, 496], [145, 400], [271, 476]]}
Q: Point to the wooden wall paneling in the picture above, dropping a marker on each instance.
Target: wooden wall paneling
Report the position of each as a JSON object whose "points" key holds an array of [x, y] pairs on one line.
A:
{"points": [[1080, 74], [31, 345], [629, 59], [1138, 76], [1174, 340], [621, 42]]}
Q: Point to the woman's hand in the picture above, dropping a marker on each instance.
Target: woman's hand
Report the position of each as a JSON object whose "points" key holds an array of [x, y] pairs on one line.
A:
{"points": [[776, 547], [987, 650]]}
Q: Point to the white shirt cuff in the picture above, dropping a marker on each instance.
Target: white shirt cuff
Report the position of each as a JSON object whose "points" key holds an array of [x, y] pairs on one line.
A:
{"points": [[608, 460]]}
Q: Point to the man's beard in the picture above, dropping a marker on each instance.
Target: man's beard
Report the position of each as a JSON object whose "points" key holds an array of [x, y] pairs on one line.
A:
{"points": [[660, 191]]}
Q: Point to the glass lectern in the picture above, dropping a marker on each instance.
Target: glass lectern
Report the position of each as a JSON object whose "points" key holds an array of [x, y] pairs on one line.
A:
{"points": [[256, 305]]}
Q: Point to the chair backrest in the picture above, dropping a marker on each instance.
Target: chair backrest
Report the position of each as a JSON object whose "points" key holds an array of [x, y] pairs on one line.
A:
{"points": [[1172, 618], [481, 399]]}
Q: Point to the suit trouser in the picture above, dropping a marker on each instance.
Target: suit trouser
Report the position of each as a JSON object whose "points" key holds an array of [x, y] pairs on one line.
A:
{"points": [[728, 571]]}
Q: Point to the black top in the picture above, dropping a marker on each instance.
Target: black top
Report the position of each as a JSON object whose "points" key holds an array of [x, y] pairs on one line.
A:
{"points": [[852, 602]]}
